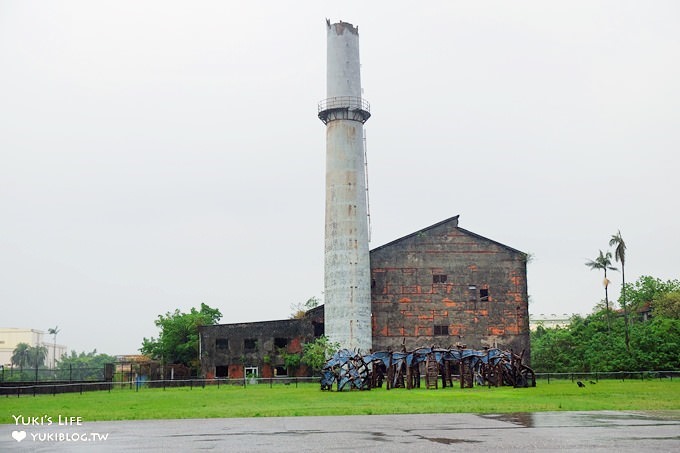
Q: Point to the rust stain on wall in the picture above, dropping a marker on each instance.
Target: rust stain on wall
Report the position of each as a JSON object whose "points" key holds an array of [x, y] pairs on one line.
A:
{"points": [[450, 303]]}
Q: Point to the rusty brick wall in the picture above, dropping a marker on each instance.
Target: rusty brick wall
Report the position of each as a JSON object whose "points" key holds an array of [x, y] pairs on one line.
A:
{"points": [[445, 285], [408, 303], [263, 352]]}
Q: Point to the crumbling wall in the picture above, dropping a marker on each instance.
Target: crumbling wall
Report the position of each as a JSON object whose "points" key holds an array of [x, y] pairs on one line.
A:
{"points": [[229, 350]]}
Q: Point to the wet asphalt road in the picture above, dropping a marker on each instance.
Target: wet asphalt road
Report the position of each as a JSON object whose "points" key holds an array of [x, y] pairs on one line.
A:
{"points": [[548, 431]]}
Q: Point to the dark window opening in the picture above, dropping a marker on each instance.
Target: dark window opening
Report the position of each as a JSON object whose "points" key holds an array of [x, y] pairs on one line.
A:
{"points": [[250, 344], [484, 294], [221, 371], [280, 371], [318, 329], [439, 278], [473, 292], [280, 342], [441, 330], [222, 343]]}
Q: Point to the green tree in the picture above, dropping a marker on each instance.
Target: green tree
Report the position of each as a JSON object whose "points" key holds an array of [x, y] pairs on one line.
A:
{"points": [[603, 262], [646, 289], [655, 344], [299, 309], [292, 361], [27, 356], [21, 355], [317, 352], [620, 256], [667, 305], [36, 356], [178, 340], [585, 345], [83, 366]]}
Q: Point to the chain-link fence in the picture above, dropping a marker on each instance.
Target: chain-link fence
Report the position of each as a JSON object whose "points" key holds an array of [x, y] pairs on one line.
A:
{"points": [[65, 374], [133, 378], [617, 375]]}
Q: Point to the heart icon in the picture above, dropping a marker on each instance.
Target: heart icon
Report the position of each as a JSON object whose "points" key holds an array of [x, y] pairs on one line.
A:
{"points": [[19, 435]]}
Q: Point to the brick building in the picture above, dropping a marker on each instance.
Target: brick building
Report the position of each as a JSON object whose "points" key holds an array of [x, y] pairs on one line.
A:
{"points": [[445, 285], [257, 348], [441, 285]]}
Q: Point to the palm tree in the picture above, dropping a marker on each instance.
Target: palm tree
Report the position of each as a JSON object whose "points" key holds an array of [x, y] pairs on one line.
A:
{"points": [[37, 355], [54, 333], [604, 262], [620, 256], [21, 355]]}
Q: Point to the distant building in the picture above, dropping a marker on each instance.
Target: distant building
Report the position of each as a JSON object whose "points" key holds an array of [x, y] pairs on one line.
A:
{"points": [[549, 321], [442, 285], [644, 313], [10, 337]]}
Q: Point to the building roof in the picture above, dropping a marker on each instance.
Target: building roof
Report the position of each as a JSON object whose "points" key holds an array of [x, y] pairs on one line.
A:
{"points": [[454, 220]]}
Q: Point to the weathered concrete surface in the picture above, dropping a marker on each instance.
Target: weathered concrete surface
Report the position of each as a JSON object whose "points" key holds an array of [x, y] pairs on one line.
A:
{"points": [[347, 275], [552, 431]]}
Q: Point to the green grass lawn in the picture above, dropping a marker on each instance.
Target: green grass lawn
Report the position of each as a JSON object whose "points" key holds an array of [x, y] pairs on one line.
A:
{"points": [[306, 399]]}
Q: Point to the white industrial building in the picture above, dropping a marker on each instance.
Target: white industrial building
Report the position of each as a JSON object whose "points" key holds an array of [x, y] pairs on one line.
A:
{"points": [[10, 337]]}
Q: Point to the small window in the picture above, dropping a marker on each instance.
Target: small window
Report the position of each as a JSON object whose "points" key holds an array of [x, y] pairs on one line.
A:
{"points": [[484, 294], [250, 344], [280, 342], [280, 371], [252, 371], [222, 371], [472, 289], [439, 278], [222, 344], [441, 330]]}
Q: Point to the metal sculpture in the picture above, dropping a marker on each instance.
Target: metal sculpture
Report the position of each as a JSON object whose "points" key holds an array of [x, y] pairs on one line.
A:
{"points": [[492, 367]]}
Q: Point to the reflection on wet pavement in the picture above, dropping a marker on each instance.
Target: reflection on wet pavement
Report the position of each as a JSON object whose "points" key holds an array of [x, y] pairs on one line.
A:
{"points": [[585, 419]]}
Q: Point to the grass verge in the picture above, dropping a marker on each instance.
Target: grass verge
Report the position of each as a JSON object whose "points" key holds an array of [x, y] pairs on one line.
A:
{"points": [[307, 399]]}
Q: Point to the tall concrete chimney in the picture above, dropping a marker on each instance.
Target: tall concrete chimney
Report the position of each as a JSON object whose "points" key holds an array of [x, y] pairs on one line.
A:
{"points": [[347, 273]]}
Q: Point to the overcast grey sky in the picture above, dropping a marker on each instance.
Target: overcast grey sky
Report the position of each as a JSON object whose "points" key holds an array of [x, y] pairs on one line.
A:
{"points": [[160, 154]]}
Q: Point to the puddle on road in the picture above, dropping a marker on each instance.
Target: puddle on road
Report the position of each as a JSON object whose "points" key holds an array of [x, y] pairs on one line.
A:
{"points": [[584, 419], [523, 419]]}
